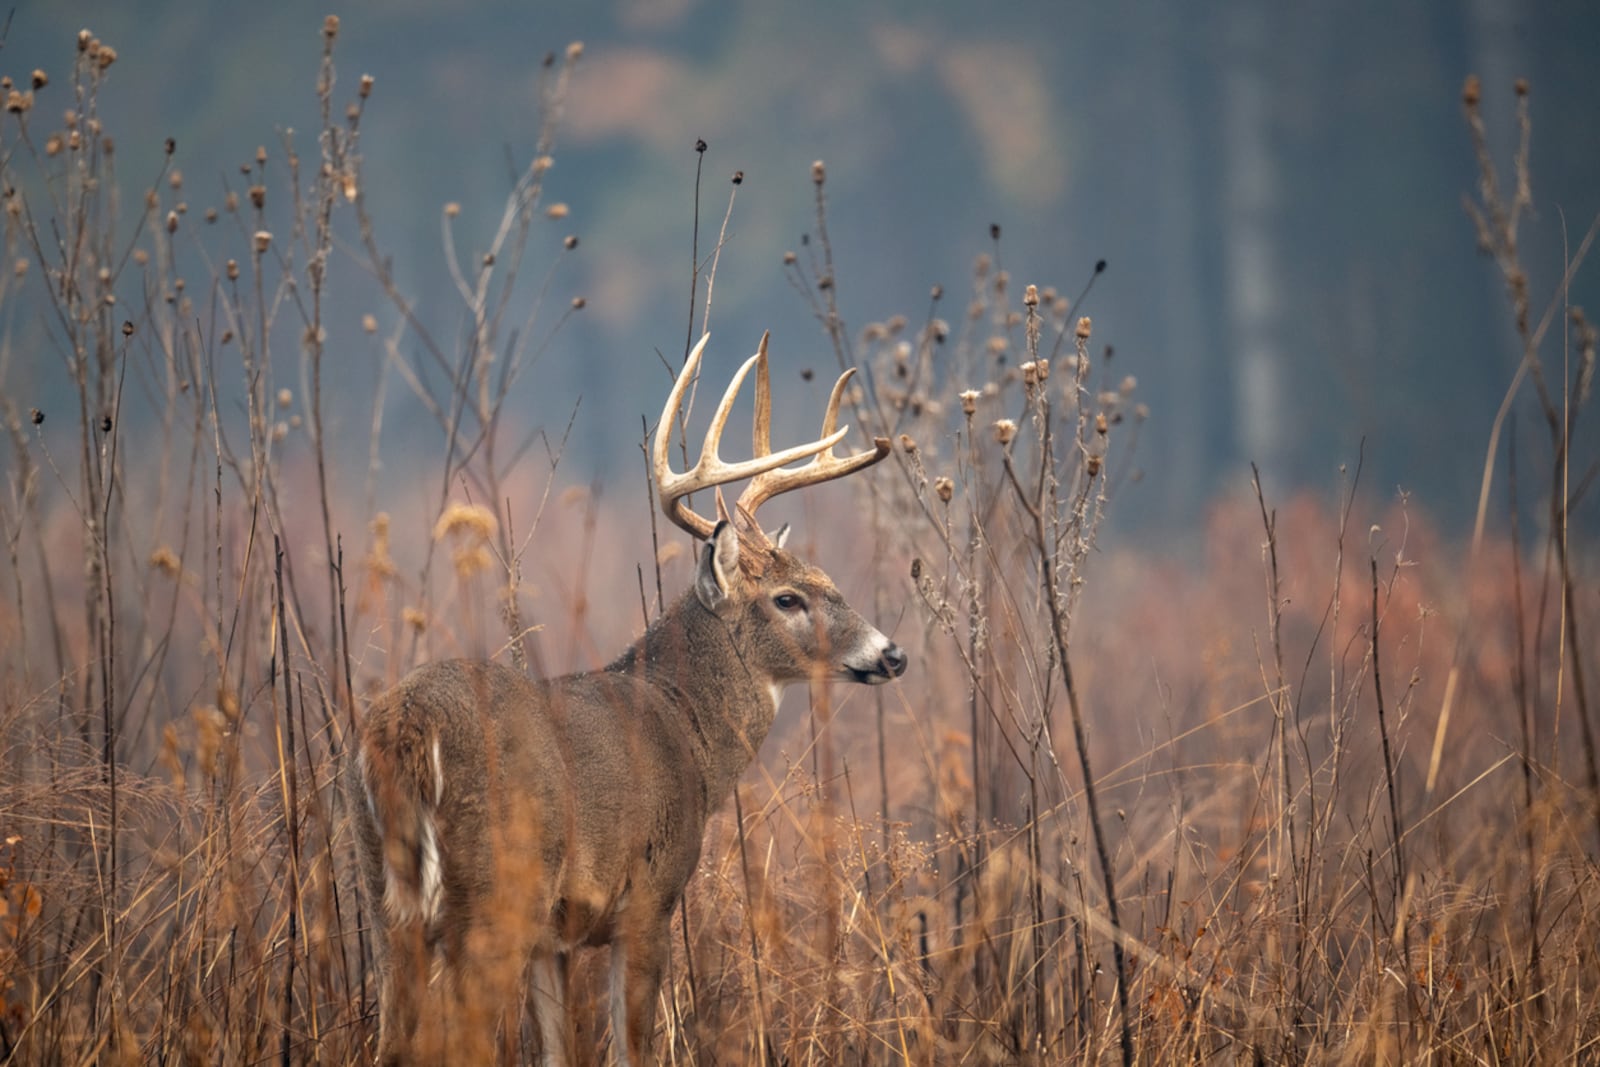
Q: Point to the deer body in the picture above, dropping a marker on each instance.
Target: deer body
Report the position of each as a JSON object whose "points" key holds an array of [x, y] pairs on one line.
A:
{"points": [[509, 821]]}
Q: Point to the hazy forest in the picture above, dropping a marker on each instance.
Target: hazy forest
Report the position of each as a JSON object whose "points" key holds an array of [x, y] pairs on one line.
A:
{"points": [[1249, 715]]}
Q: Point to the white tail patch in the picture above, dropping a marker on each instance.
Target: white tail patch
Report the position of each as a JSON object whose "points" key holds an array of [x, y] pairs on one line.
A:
{"points": [[438, 774], [432, 873], [431, 870]]}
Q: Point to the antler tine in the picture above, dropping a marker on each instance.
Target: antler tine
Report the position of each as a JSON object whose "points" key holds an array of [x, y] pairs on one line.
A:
{"points": [[824, 467], [711, 470], [761, 428]]}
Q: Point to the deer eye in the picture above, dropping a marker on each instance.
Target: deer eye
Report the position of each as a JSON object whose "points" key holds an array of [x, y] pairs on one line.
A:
{"points": [[788, 602]]}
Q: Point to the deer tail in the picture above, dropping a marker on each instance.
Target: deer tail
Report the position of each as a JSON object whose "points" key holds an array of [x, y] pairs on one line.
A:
{"points": [[402, 778]]}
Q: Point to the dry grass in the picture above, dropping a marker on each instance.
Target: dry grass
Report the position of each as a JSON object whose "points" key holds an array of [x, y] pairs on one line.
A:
{"points": [[1329, 794]]}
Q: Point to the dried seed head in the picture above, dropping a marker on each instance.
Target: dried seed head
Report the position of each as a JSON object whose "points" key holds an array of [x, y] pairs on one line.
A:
{"points": [[1092, 465], [819, 172], [285, 398], [85, 38], [369, 323], [230, 203], [1129, 384], [895, 324], [541, 165], [1520, 86], [574, 51], [452, 209], [579, 303], [1084, 328], [127, 327], [944, 488], [570, 242], [940, 330], [738, 177], [165, 560], [1004, 431], [1044, 369], [233, 270], [17, 103], [969, 401], [473, 521], [556, 211], [258, 196], [997, 346], [1100, 423], [936, 293], [37, 416], [175, 179], [365, 89], [172, 222], [106, 56], [908, 444], [52, 145], [1141, 411], [263, 241], [20, 267], [40, 78], [788, 259], [1030, 296], [1030, 374], [1471, 91], [330, 27]]}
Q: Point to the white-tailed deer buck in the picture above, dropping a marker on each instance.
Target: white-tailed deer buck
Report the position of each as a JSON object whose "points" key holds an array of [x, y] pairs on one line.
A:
{"points": [[509, 821]]}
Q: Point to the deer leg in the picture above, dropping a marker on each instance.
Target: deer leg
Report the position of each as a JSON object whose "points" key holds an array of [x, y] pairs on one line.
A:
{"points": [[636, 966], [402, 984], [547, 1000]]}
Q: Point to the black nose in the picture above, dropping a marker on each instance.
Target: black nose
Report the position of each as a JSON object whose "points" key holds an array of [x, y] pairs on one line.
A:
{"points": [[894, 658]]}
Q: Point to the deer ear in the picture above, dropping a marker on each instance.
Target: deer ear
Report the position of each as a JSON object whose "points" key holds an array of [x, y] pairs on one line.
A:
{"points": [[780, 536], [719, 562]]}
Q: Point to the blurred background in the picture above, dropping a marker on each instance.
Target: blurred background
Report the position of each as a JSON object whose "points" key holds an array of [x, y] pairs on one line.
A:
{"points": [[1276, 189]]}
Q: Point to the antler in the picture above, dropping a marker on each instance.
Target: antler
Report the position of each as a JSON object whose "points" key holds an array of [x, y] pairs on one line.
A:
{"points": [[767, 480]]}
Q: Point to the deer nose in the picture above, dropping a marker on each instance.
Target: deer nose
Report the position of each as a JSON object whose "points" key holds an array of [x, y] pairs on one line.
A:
{"points": [[894, 658]]}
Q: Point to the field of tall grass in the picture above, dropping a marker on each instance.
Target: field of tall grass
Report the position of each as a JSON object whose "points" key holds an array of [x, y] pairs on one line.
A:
{"points": [[1325, 789]]}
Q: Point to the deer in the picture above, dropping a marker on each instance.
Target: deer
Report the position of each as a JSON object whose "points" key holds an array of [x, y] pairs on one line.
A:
{"points": [[509, 822]]}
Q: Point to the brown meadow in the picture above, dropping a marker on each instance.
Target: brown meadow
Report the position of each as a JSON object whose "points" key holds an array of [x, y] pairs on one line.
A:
{"points": [[1313, 783]]}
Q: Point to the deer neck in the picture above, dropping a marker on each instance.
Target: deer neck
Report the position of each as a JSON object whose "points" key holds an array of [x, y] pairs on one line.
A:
{"points": [[696, 661]]}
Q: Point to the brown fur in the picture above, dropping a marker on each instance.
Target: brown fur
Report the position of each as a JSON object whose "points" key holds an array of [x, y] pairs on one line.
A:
{"points": [[572, 810]]}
